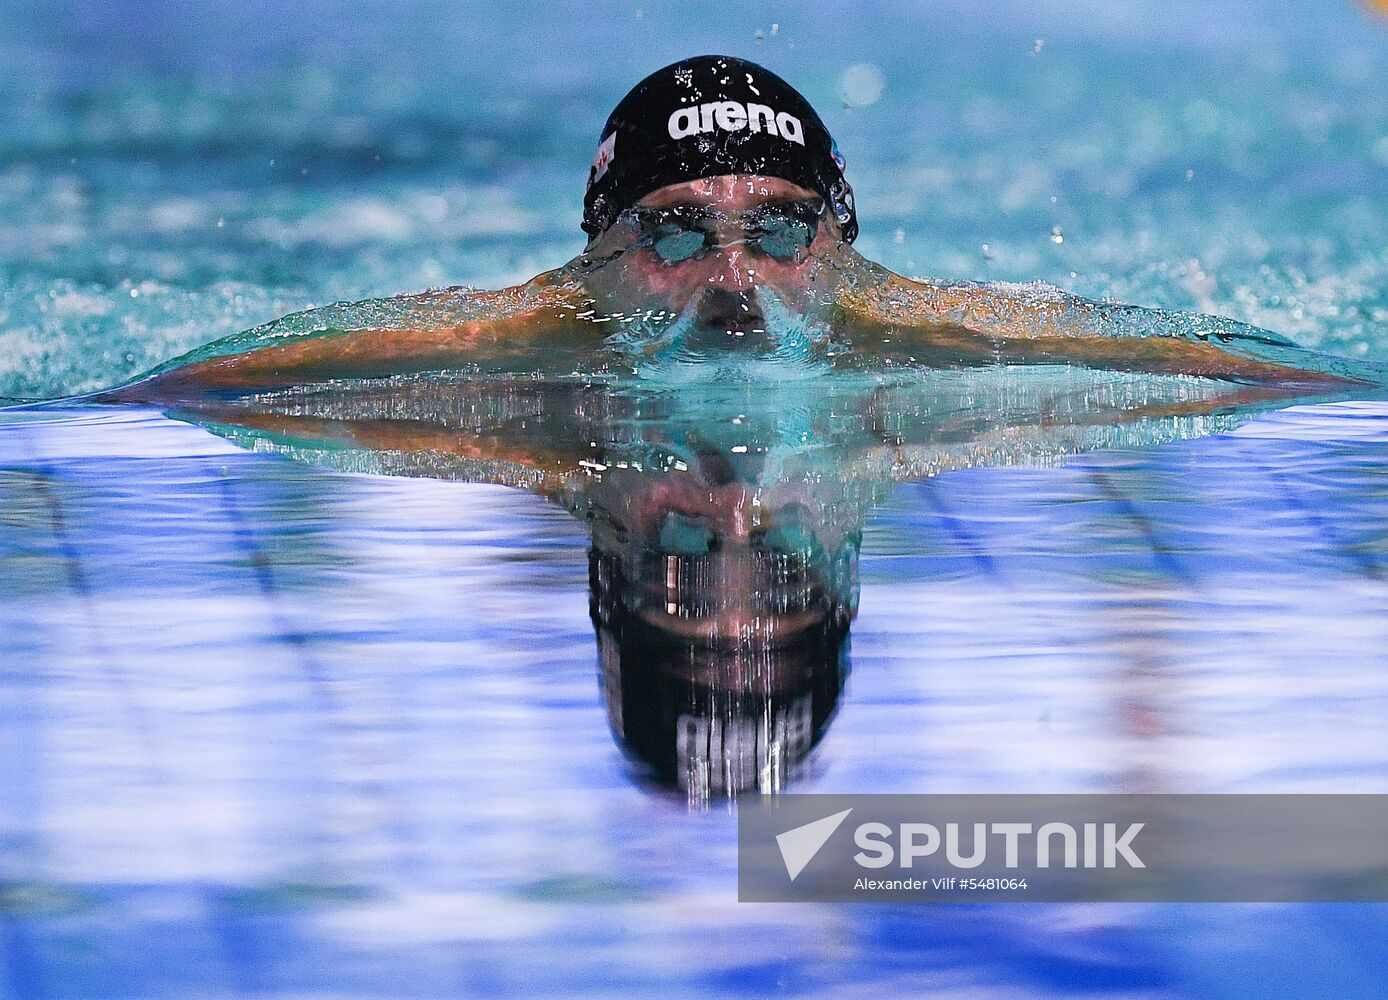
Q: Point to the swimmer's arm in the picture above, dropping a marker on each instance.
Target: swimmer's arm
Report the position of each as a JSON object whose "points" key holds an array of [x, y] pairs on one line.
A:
{"points": [[978, 324], [524, 324]]}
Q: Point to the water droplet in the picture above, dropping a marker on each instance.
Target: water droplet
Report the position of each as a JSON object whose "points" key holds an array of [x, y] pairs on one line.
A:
{"points": [[1037, 46], [861, 85], [1056, 235]]}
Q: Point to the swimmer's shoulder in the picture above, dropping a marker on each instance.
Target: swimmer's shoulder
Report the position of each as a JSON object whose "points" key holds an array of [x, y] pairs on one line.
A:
{"points": [[442, 328], [559, 286], [886, 297]]}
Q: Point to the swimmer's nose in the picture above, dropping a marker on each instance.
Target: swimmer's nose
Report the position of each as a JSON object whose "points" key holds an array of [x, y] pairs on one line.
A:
{"points": [[730, 309], [732, 272]]}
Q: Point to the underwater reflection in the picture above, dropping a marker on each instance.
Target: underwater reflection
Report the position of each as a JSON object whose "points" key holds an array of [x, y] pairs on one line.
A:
{"points": [[725, 518]]}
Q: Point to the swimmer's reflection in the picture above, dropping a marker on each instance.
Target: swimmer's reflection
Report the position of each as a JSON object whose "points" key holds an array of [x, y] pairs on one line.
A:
{"points": [[725, 521], [722, 626]]}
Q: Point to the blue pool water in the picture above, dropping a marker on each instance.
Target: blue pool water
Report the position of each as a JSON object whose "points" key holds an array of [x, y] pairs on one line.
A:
{"points": [[274, 728]]}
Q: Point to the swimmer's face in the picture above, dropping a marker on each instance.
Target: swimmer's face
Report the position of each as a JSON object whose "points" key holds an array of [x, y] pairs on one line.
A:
{"points": [[718, 242]]}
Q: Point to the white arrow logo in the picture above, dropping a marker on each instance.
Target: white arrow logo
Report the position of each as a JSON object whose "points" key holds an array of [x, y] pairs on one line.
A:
{"points": [[799, 846]]}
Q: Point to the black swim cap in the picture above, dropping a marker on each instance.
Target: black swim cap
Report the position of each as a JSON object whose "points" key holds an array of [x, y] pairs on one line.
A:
{"points": [[708, 116]]}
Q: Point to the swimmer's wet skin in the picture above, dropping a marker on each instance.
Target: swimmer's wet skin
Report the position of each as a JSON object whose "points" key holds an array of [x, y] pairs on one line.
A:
{"points": [[522, 324], [964, 323], [716, 202]]}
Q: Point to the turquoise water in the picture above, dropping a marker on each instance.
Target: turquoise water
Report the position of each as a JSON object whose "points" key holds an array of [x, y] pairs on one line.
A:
{"points": [[280, 725], [228, 166]]}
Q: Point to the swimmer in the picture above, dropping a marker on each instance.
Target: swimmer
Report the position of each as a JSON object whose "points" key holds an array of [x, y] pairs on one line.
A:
{"points": [[720, 220]]}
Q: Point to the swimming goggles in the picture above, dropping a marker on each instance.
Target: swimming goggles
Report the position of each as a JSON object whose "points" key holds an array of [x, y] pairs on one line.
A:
{"points": [[686, 232]]}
